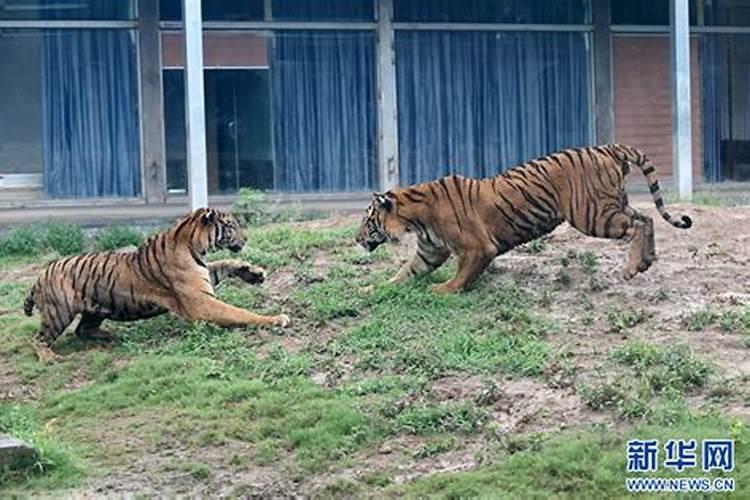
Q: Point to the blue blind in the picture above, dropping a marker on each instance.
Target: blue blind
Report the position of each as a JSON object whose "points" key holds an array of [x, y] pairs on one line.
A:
{"points": [[90, 114], [478, 103], [324, 110]]}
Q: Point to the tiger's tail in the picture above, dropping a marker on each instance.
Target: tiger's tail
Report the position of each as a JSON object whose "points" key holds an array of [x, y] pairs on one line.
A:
{"points": [[28, 304], [647, 168]]}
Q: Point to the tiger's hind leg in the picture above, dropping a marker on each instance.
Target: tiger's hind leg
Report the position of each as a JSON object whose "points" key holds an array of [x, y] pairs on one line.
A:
{"points": [[88, 328], [649, 247], [53, 325], [470, 266], [623, 224]]}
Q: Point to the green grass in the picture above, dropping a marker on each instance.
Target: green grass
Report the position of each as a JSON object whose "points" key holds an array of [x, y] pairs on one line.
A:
{"points": [[654, 384], [410, 330], [279, 245], [578, 465]]}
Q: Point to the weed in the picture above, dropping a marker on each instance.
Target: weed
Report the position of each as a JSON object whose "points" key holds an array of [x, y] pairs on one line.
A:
{"points": [[435, 446], [671, 368], [428, 419], [621, 320], [701, 319], [535, 246]]}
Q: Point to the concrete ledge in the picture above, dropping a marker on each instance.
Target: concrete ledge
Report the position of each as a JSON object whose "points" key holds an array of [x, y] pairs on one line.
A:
{"points": [[15, 454]]}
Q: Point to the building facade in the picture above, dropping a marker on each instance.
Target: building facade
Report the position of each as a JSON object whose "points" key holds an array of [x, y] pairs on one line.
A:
{"points": [[323, 98]]}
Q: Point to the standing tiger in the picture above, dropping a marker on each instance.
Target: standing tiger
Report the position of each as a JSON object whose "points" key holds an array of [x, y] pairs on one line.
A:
{"points": [[165, 273], [479, 219]]}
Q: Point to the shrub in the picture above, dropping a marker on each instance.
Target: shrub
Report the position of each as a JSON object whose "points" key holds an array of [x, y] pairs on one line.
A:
{"points": [[252, 207], [115, 237], [21, 241], [65, 239]]}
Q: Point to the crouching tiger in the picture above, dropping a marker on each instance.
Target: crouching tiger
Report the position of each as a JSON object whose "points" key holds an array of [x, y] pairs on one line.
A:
{"points": [[165, 273], [479, 219]]}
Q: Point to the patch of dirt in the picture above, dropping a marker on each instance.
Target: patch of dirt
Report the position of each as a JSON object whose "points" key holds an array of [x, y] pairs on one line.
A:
{"points": [[12, 389], [519, 405], [20, 274]]}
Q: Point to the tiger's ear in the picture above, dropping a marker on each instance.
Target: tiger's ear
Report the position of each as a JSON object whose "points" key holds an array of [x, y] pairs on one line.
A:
{"points": [[383, 201], [208, 217]]}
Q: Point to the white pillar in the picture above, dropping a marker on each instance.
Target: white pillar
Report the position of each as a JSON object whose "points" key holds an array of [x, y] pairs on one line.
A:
{"points": [[682, 153], [387, 114], [195, 115]]}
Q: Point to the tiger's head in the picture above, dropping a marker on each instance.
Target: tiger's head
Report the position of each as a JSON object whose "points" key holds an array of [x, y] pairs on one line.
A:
{"points": [[380, 223], [216, 229]]}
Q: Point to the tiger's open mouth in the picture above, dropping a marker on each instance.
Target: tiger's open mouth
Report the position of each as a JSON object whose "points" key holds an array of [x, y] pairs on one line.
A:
{"points": [[235, 247]]}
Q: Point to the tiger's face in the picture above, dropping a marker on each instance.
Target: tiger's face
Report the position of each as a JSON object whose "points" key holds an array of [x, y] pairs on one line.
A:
{"points": [[379, 223], [224, 230]]}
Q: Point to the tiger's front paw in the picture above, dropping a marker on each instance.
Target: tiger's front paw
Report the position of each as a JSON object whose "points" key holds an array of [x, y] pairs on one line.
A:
{"points": [[251, 274], [282, 320], [45, 354], [444, 289]]}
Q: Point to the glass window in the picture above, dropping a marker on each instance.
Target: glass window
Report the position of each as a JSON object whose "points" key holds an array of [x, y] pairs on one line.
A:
{"points": [[238, 130], [702, 12], [70, 111], [722, 13], [215, 10], [298, 117], [641, 12], [323, 10], [725, 106], [65, 10], [477, 103], [493, 11]]}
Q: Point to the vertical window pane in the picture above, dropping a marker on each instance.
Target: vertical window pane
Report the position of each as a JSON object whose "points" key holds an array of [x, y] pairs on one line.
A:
{"points": [[641, 12], [324, 111], [725, 70], [63, 10], [238, 130], [323, 10], [493, 11], [175, 143], [478, 103], [70, 111], [722, 13], [21, 147]]}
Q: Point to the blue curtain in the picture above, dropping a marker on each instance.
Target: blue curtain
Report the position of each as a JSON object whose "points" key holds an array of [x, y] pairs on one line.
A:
{"points": [[478, 103], [725, 71], [90, 114], [324, 111], [712, 104]]}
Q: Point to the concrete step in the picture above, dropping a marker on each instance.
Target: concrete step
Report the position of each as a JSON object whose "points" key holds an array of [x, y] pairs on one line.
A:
{"points": [[14, 453]]}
